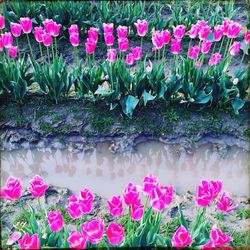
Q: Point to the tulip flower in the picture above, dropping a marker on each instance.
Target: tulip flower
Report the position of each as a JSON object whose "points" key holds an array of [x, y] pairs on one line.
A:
{"points": [[26, 24], [235, 48], [137, 53], [122, 31], [76, 240], [204, 32], [73, 29], [130, 59], [12, 190], [197, 65], [149, 183], [123, 44], [37, 186], [86, 200], [52, 27], [247, 37], [93, 230], [2, 22], [218, 32], [156, 199], [29, 242], [167, 194], [136, 210], [109, 39], [206, 46], [141, 27], [175, 46], [201, 23], [108, 27], [233, 30], [93, 34], [214, 59], [166, 36], [111, 55], [115, 233], [55, 220], [217, 239], [157, 39], [16, 29], [74, 208], [90, 46], [181, 238], [207, 192], [38, 34], [224, 203], [194, 52], [194, 31], [47, 39], [74, 39], [115, 206], [7, 39], [179, 31], [226, 24], [130, 194]]}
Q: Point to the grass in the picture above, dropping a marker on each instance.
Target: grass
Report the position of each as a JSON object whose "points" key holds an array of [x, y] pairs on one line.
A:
{"points": [[243, 213], [46, 127]]}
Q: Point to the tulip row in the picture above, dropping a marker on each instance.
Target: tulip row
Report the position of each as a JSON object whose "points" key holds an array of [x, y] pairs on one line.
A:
{"points": [[116, 81], [143, 220]]}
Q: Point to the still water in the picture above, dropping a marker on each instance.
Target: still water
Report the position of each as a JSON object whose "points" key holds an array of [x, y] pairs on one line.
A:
{"points": [[107, 173]]}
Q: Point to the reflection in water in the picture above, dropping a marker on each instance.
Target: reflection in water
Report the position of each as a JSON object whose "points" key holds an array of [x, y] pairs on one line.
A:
{"points": [[107, 173]]}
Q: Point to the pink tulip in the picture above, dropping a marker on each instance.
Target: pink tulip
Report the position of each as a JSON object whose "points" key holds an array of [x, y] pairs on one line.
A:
{"points": [[218, 32], [214, 59], [93, 34], [217, 239], [37, 186], [136, 210], [12, 190], [73, 29], [204, 32], [123, 44], [166, 36], [16, 29], [29, 242], [109, 39], [150, 182], [175, 46], [108, 27], [55, 220], [115, 206], [194, 52], [181, 238], [167, 194], [56, 31], [76, 240], [93, 230], [194, 31], [224, 203], [14, 237], [226, 24], [74, 39], [130, 59], [235, 48], [26, 24], [201, 23], [2, 22], [141, 27], [90, 46], [197, 65], [38, 33], [47, 39], [130, 194], [74, 208], [86, 200], [148, 69], [7, 39], [156, 199], [122, 31], [52, 27], [137, 53], [206, 46], [179, 31], [111, 55], [247, 37], [13, 51], [208, 191], [157, 39], [115, 233], [234, 30]]}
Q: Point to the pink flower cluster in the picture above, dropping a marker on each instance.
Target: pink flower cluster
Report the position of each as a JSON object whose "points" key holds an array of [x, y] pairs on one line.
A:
{"points": [[74, 35], [92, 39]]}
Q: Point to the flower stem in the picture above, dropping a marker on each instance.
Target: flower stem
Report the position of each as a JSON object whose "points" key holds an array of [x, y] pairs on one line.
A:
{"points": [[31, 51], [48, 54], [40, 47], [222, 41]]}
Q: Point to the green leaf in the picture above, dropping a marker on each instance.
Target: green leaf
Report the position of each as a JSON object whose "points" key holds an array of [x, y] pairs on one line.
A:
{"points": [[237, 104], [147, 97], [182, 219], [128, 104]]}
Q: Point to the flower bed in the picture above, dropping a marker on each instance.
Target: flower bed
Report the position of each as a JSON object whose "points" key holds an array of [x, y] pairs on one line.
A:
{"points": [[140, 206]]}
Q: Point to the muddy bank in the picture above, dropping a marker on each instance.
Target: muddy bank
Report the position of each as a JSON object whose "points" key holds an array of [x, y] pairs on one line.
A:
{"points": [[77, 125]]}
